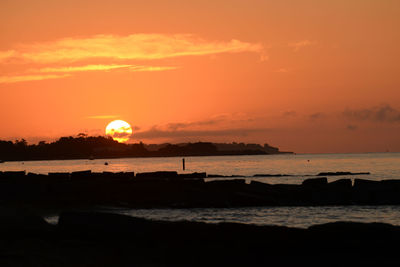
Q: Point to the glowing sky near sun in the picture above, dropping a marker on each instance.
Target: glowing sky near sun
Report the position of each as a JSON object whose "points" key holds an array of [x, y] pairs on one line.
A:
{"points": [[306, 76]]}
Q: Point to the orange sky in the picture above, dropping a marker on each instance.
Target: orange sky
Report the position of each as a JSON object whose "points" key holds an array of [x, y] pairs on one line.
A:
{"points": [[306, 76]]}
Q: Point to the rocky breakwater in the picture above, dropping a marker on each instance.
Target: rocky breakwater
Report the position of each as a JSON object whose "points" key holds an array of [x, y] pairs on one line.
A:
{"points": [[103, 239], [169, 189]]}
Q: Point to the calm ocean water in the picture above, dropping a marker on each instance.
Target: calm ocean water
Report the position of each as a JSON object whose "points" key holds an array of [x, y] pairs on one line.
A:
{"points": [[301, 166]]}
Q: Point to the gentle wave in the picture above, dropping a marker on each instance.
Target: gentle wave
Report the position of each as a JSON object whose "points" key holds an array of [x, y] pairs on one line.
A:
{"points": [[302, 217]]}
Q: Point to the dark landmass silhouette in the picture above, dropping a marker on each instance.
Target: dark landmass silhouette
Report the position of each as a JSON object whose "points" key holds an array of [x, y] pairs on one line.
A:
{"points": [[90, 147], [105, 239]]}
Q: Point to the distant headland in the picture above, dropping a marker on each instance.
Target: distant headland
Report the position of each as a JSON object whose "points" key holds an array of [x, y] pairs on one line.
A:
{"points": [[92, 147]]}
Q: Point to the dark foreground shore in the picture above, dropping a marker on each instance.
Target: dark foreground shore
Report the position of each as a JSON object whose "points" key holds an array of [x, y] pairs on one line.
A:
{"points": [[171, 190], [101, 239]]}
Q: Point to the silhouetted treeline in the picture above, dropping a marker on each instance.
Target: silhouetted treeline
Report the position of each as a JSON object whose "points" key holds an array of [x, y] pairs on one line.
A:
{"points": [[88, 147]]}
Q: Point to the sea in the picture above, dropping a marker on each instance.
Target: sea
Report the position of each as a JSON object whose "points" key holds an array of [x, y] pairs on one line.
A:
{"points": [[296, 167]]}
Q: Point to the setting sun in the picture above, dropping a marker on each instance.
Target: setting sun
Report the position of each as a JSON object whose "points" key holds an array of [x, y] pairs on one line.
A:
{"points": [[119, 130]]}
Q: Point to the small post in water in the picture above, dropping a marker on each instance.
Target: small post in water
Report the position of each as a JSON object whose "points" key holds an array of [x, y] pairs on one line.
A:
{"points": [[183, 163]]}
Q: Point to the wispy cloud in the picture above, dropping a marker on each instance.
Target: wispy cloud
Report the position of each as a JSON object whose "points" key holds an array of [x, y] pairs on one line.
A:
{"points": [[382, 113], [301, 44], [4, 55], [152, 68], [70, 69], [135, 46], [24, 78], [36, 74], [64, 55]]}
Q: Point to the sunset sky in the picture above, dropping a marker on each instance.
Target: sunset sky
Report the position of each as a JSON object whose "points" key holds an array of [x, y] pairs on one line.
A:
{"points": [[305, 76]]}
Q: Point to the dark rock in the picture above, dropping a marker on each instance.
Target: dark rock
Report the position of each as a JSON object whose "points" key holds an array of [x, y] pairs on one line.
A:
{"points": [[14, 174], [60, 175], [315, 182], [341, 184], [391, 183], [158, 175], [227, 183], [81, 175], [124, 175], [36, 179], [268, 194], [129, 174], [368, 192], [168, 189], [316, 191], [388, 192], [193, 175], [81, 172], [261, 187], [338, 192], [115, 176], [365, 184], [215, 176]]}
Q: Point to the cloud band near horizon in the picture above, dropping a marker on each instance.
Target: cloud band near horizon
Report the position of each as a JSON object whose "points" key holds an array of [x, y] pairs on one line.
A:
{"points": [[155, 133]]}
